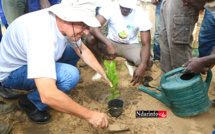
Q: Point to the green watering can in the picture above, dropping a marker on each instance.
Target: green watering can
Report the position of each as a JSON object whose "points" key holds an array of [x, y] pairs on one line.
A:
{"points": [[185, 94]]}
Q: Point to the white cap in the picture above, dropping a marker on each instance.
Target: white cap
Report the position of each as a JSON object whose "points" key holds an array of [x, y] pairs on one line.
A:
{"points": [[128, 3], [76, 11]]}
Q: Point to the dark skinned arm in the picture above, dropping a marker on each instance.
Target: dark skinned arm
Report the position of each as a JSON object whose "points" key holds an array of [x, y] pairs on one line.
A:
{"points": [[44, 4], [144, 55], [200, 65], [97, 33]]}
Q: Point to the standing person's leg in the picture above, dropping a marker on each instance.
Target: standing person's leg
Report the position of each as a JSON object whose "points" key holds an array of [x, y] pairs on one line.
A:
{"points": [[164, 46], [175, 36], [156, 48], [207, 35], [163, 40], [181, 24], [14, 9]]}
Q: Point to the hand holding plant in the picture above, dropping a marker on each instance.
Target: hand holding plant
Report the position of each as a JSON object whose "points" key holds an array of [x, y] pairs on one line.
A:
{"points": [[112, 76]]}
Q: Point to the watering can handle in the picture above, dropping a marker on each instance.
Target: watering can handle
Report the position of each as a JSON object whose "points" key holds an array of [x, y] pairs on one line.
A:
{"points": [[208, 79], [170, 73]]}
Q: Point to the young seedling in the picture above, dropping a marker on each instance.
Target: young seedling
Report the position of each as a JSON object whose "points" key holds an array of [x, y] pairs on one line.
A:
{"points": [[112, 76]]}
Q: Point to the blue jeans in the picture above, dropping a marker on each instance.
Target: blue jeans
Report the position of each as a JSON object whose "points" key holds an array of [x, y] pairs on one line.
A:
{"points": [[207, 34], [67, 78], [156, 48], [34, 5]]}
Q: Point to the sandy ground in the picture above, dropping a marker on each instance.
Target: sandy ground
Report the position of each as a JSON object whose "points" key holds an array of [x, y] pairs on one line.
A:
{"points": [[92, 95]]}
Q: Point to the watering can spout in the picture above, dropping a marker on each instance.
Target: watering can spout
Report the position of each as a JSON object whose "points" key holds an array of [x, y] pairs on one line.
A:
{"points": [[161, 97]]}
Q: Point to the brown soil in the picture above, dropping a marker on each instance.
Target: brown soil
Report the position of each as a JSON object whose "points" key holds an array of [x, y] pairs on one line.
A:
{"points": [[92, 95]]}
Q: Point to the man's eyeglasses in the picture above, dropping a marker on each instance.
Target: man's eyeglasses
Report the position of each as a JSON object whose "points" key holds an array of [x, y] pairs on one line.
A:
{"points": [[85, 26]]}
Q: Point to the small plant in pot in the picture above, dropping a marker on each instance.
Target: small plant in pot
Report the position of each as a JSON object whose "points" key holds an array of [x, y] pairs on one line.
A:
{"points": [[115, 105]]}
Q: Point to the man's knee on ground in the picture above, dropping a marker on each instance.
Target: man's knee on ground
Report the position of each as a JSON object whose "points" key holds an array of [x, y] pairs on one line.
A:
{"points": [[67, 77], [137, 62]]}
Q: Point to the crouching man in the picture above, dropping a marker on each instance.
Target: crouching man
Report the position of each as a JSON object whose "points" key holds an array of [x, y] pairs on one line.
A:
{"points": [[41, 55]]}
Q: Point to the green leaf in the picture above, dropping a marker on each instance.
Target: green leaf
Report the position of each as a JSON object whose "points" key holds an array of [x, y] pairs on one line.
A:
{"points": [[111, 89], [106, 65], [108, 76], [116, 91], [117, 95], [111, 97], [112, 66], [115, 82]]}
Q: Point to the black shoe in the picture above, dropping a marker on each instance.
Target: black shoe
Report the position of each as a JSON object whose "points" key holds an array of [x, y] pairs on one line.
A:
{"points": [[40, 117], [146, 84], [8, 93], [147, 78]]}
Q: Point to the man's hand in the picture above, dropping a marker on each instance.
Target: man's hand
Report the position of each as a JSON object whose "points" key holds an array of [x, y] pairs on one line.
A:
{"points": [[138, 75], [155, 2], [195, 66], [105, 78], [111, 51], [98, 120]]}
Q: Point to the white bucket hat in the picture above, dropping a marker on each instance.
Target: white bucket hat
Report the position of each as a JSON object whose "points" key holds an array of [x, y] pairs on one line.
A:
{"points": [[76, 11], [128, 3]]}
